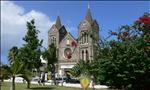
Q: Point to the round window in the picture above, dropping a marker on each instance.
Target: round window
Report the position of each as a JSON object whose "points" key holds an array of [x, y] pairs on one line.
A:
{"points": [[68, 53]]}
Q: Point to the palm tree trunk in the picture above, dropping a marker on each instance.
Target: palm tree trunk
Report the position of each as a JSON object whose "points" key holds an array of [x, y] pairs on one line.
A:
{"points": [[53, 73], [13, 83], [28, 84]]}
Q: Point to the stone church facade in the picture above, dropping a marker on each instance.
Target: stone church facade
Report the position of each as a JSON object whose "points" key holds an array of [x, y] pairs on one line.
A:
{"points": [[69, 49]]}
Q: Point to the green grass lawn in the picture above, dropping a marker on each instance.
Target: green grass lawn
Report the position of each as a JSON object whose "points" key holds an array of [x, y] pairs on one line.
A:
{"points": [[6, 86]]}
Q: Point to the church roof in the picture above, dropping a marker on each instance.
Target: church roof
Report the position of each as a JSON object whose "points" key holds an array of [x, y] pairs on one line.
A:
{"points": [[58, 23], [94, 23], [62, 33], [68, 34]]}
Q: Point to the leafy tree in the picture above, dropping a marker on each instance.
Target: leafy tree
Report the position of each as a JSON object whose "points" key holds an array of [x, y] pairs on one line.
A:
{"points": [[125, 62], [82, 71], [3, 72], [81, 68], [27, 75], [27, 57], [15, 70], [13, 53], [30, 52], [51, 56]]}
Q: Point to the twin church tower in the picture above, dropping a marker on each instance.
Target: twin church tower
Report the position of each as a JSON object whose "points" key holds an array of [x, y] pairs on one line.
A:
{"points": [[69, 49]]}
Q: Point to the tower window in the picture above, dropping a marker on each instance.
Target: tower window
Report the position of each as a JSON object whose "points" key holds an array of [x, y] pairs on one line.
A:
{"points": [[55, 40], [51, 41], [84, 38], [82, 54], [87, 38], [87, 55]]}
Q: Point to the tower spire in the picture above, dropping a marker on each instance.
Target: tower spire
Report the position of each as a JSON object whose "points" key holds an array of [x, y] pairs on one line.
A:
{"points": [[88, 16], [58, 22]]}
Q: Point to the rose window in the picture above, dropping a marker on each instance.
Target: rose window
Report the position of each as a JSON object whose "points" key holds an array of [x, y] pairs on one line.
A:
{"points": [[68, 53]]}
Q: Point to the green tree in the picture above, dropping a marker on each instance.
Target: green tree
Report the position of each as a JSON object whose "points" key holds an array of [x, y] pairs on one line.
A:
{"points": [[51, 56], [15, 70], [125, 62], [30, 52], [82, 71], [3, 72], [28, 55], [13, 53], [27, 75], [81, 68]]}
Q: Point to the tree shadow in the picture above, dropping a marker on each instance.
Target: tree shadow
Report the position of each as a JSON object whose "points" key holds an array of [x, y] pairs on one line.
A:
{"points": [[41, 88]]}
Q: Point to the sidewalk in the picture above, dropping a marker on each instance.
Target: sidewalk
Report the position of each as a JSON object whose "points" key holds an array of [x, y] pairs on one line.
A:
{"points": [[64, 84], [79, 86]]}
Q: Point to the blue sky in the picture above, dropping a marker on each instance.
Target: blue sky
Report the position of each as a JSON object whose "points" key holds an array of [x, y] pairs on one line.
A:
{"points": [[109, 14]]}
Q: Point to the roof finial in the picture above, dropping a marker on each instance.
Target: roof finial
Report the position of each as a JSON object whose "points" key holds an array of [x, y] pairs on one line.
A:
{"points": [[88, 4]]}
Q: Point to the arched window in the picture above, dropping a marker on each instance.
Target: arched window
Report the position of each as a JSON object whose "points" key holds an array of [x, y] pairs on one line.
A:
{"points": [[55, 40], [51, 40], [82, 54], [84, 38], [87, 38], [87, 55]]}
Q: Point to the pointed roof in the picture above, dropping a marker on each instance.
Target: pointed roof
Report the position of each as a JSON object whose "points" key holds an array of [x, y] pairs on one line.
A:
{"points": [[68, 34], [58, 23], [88, 16]]}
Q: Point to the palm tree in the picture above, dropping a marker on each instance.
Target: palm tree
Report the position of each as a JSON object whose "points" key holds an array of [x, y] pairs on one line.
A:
{"points": [[27, 75], [51, 56], [81, 68], [15, 70], [17, 67], [13, 53]]}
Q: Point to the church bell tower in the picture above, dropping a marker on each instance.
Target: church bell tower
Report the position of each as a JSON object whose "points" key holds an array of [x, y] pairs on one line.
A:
{"points": [[88, 36]]}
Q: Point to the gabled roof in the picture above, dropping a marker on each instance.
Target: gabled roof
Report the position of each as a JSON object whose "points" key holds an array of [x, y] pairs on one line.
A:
{"points": [[68, 34]]}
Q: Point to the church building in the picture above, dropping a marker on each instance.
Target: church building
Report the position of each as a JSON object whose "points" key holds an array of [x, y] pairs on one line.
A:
{"points": [[70, 49]]}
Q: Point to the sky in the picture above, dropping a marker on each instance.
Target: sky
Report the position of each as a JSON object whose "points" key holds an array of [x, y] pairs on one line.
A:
{"points": [[110, 15]]}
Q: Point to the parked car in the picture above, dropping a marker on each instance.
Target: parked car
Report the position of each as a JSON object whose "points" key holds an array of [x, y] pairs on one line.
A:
{"points": [[50, 81], [72, 80], [60, 80], [35, 79]]}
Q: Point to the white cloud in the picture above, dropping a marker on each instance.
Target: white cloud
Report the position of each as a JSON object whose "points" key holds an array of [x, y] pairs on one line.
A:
{"points": [[13, 25]]}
